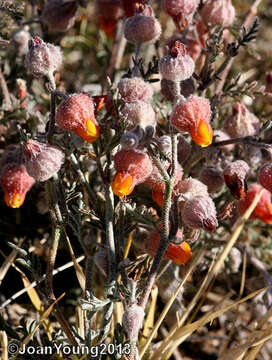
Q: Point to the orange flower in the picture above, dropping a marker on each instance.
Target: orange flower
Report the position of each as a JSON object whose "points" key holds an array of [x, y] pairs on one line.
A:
{"points": [[180, 254], [202, 135], [90, 133], [99, 102], [122, 184], [14, 200]]}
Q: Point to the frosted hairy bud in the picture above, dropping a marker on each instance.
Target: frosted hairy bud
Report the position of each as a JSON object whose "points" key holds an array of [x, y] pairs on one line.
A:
{"points": [[235, 178], [135, 89], [41, 160], [200, 213], [178, 65], [76, 114], [176, 7], [212, 177], [132, 320], [241, 123], [190, 188], [42, 58], [192, 46], [139, 113], [265, 176], [15, 182], [184, 149], [194, 115], [220, 135], [142, 27], [263, 209], [219, 12], [59, 15]]}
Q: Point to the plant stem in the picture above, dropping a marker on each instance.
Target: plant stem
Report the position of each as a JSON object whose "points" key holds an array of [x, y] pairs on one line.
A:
{"points": [[247, 140]]}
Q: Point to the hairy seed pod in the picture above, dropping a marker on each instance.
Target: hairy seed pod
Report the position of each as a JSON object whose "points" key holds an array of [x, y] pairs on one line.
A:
{"points": [[139, 113], [200, 213], [41, 160], [241, 123], [142, 27], [220, 12], [213, 178], [178, 65], [42, 58], [265, 176], [59, 15], [135, 89], [132, 320], [76, 114], [235, 178], [263, 209], [16, 182]]}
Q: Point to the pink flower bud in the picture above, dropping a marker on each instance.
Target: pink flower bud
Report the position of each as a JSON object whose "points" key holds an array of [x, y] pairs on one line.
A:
{"points": [[134, 162], [235, 178], [219, 12], [213, 178], [192, 46], [42, 58], [139, 113], [200, 213], [220, 135], [15, 182], [142, 27], [59, 15], [190, 188], [42, 161], [241, 123], [77, 114], [184, 149], [176, 7], [135, 89], [265, 176], [133, 320], [263, 209], [178, 65]]}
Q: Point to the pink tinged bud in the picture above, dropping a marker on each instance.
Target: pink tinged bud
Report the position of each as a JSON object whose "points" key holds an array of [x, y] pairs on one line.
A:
{"points": [[135, 163], [235, 178], [263, 210], [184, 149], [15, 182], [192, 46], [135, 89], [178, 65], [59, 15], [139, 113], [42, 58], [213, 178], [176, 7], [200, 213], [265, 176], [77, 114], [188, 114], [132, 320], [241, 123], [142, 27], [219, 12], [42, 161], [220, 135], [190, 188]]}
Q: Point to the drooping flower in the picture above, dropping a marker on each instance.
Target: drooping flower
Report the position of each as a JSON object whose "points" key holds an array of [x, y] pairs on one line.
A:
{"points": [[235, 178], [219, 12], [76, 114], [263, 209], [42, 160]]}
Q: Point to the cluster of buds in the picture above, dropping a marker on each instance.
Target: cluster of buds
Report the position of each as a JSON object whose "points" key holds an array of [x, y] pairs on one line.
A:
{"points": [[108, 12], [42, 59], [193, 116], [76, 113], [235, 178], [41, 160], [220, 12], [263, 209], [132, 168], [180, 253], [143, 27], [241, 123], [14, 178], [181, 11]]}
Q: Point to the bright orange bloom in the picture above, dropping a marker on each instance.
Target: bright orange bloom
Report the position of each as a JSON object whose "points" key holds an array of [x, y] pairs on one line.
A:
{"points": [[122, 184], [180, 254], [202, 135], [90, 133], [14, 200]]}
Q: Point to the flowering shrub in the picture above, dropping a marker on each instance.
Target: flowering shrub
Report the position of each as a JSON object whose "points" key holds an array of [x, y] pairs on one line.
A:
{"points": [[135, 138]]}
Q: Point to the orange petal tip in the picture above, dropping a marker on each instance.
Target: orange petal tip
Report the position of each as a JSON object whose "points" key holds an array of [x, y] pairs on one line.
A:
{"points": [[202, 135], [122, 184], [14, 200]]}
